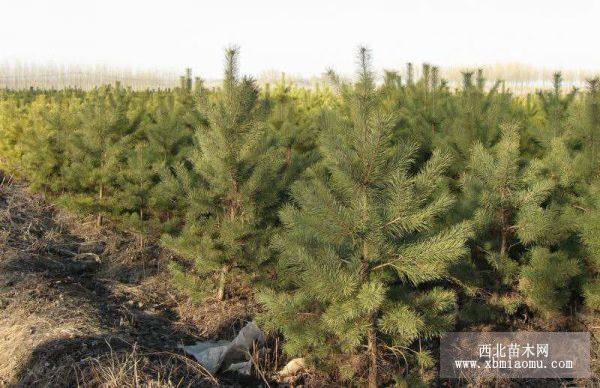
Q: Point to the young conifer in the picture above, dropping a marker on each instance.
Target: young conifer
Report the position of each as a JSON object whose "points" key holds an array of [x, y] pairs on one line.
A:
{"points": [[473, 115], [134, 182], [50, 123], [221, 234], [289, 144], [362, 254], [555, 106], [590, 234], [588, 223], [11, 133], [590, 130], [95, 150], [514, 211], [168, 132]]}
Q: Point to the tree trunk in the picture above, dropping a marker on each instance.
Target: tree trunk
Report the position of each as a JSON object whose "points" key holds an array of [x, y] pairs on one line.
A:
{"points": [[100, 195], [372, 344], [222, 282], [288, 157], [504, 231], [371, 334], [503, 242], [142, 227]]}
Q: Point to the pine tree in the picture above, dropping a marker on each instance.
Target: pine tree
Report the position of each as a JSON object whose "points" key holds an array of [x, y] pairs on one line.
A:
{"points": [[221, 233], [362, 255], [169, 133], [289, 145], [474, 115], [587, 130], [420, 107], [50, 122], [545, 279], [95, 150], [134, 182], [574, 202], [11, 133], [589, 229], [410, 77], [556, 108], [515, 210]]}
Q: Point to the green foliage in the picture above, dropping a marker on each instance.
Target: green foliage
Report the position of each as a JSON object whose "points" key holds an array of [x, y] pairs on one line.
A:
{"points": [[590, 235], [475, 115], [516, 208], [95, 151], [135, 182], [11, 133], [545, 279], [591, 293], [362, 242], [49, 125], [585, 123], [555, 106], [348, 204], [236, 181]]}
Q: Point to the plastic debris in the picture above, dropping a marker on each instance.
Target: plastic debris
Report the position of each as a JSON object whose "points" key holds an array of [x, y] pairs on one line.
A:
{"points": [[242, 368], [228, 355]]}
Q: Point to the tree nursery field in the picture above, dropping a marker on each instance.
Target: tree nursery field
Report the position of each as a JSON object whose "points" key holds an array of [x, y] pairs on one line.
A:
{"points": [[354, 223]]}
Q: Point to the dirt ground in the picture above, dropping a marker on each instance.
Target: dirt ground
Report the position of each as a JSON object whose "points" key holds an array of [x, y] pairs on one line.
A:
{"points": [[86, 306]]}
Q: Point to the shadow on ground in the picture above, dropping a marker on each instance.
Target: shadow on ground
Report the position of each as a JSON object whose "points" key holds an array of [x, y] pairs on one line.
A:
{"points": [[68, 321]]}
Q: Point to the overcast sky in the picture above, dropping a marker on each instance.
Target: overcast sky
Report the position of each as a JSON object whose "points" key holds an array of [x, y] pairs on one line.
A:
{"points": [[300, 37]]}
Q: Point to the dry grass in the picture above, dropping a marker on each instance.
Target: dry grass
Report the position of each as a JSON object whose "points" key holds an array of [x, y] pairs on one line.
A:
{"points": [[218, 319], [114, 327], [20, 334], [135, 368], [591, 322]]}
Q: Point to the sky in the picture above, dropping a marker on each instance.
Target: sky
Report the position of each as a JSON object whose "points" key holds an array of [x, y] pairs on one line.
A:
{"points": [[303, 37]]}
